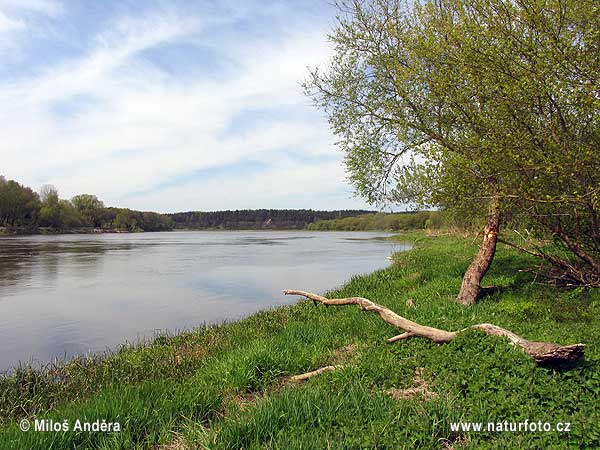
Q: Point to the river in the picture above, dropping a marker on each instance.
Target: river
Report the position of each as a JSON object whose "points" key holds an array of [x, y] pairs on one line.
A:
{"points": [[68, 295]]}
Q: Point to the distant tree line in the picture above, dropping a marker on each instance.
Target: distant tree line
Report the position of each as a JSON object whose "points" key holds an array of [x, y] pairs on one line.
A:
{"points": [[253, 219], [380, 221], [22, 209]]}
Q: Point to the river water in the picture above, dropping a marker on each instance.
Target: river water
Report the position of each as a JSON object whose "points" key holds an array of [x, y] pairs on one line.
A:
{"points": [[68, 295]]}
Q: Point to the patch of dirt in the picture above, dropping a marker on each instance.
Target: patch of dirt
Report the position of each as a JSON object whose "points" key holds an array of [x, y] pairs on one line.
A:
{"points": [[248, 399], [175, 444], [344, 354], [420, 387], [189, 352], [458, 442], [412, 277]]}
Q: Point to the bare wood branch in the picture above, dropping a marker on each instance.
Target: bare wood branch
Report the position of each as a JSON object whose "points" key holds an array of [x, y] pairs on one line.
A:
{"points": [[434, 334], [400, 337], [542, 352], [307, 375]]}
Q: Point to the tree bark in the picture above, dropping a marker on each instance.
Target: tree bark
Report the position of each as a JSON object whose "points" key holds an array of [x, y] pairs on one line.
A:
{"points": [[471, 283], [545, 353]]}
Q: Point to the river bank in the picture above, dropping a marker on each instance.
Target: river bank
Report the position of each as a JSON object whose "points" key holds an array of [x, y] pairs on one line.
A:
{"points": [[27, 231], [228, 386]]}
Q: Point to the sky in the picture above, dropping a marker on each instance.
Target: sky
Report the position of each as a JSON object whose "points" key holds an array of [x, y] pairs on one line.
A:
{"points": [[169, 105]]}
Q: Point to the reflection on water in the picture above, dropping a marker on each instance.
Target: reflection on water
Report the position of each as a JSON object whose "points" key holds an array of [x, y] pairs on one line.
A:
{"points": [[66, 295]]}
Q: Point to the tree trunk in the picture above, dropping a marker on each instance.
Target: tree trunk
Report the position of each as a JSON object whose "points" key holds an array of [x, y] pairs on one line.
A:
{"points": [[471, 283]]}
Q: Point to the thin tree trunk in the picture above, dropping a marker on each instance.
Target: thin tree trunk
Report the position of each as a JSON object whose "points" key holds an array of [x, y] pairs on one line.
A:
{"points": [[595, 226], [584, 256], [471, 283]]}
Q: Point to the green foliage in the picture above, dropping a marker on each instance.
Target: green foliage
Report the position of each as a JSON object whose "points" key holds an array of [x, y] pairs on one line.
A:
{"points": [[460, 103], [19, 205], [287, 219], [21, 209], [90, 208], [87, 202], [125, 220], [220, 387], [57, 213], [381, 221]]}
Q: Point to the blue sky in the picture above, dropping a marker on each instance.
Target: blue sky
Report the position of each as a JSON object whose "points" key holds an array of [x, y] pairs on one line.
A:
{"points": [[169, 105]]}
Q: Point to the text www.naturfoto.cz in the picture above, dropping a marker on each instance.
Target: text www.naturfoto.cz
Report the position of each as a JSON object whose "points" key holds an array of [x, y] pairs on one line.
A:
{"points": [[526, 425]]}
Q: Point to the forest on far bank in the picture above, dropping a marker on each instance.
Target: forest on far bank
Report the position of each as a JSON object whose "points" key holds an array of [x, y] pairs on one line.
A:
{"points": [[23, 211], [257, 219], [414, 220]]}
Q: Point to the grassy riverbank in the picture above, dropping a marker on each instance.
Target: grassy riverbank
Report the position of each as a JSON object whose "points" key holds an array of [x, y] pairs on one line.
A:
{"points": [[225, 386]]}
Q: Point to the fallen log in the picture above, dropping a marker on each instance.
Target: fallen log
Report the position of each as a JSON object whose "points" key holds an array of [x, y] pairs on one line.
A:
{"points": [[544, 353]]}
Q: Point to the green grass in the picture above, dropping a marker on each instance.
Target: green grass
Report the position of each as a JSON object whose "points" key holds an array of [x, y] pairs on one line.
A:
{"points": [[222, 387]]}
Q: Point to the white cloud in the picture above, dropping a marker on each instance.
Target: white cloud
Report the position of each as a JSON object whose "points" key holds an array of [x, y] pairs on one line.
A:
{"points": [[47, 7], [16, 21], [286, 184], [7, 24], [134, 127]]}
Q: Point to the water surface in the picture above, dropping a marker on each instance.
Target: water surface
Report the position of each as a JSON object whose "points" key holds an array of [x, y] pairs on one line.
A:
{"points": [[67, 295]]}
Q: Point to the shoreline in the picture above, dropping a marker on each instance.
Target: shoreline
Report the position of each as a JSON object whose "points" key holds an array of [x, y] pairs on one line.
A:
{"points": [[9, 232], [95, 231]]}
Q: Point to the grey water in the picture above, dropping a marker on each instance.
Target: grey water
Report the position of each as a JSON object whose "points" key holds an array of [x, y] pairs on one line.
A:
{"points": [[68, 295]]}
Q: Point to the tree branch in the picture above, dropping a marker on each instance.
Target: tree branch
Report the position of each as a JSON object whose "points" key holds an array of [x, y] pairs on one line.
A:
{"points": [[307, 375], [546, 353]]}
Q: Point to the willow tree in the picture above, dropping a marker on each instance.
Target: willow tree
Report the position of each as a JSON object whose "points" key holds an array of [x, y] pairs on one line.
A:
{"points": [[90, 207], [19, 205], [453, 103], [532, 71]]}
